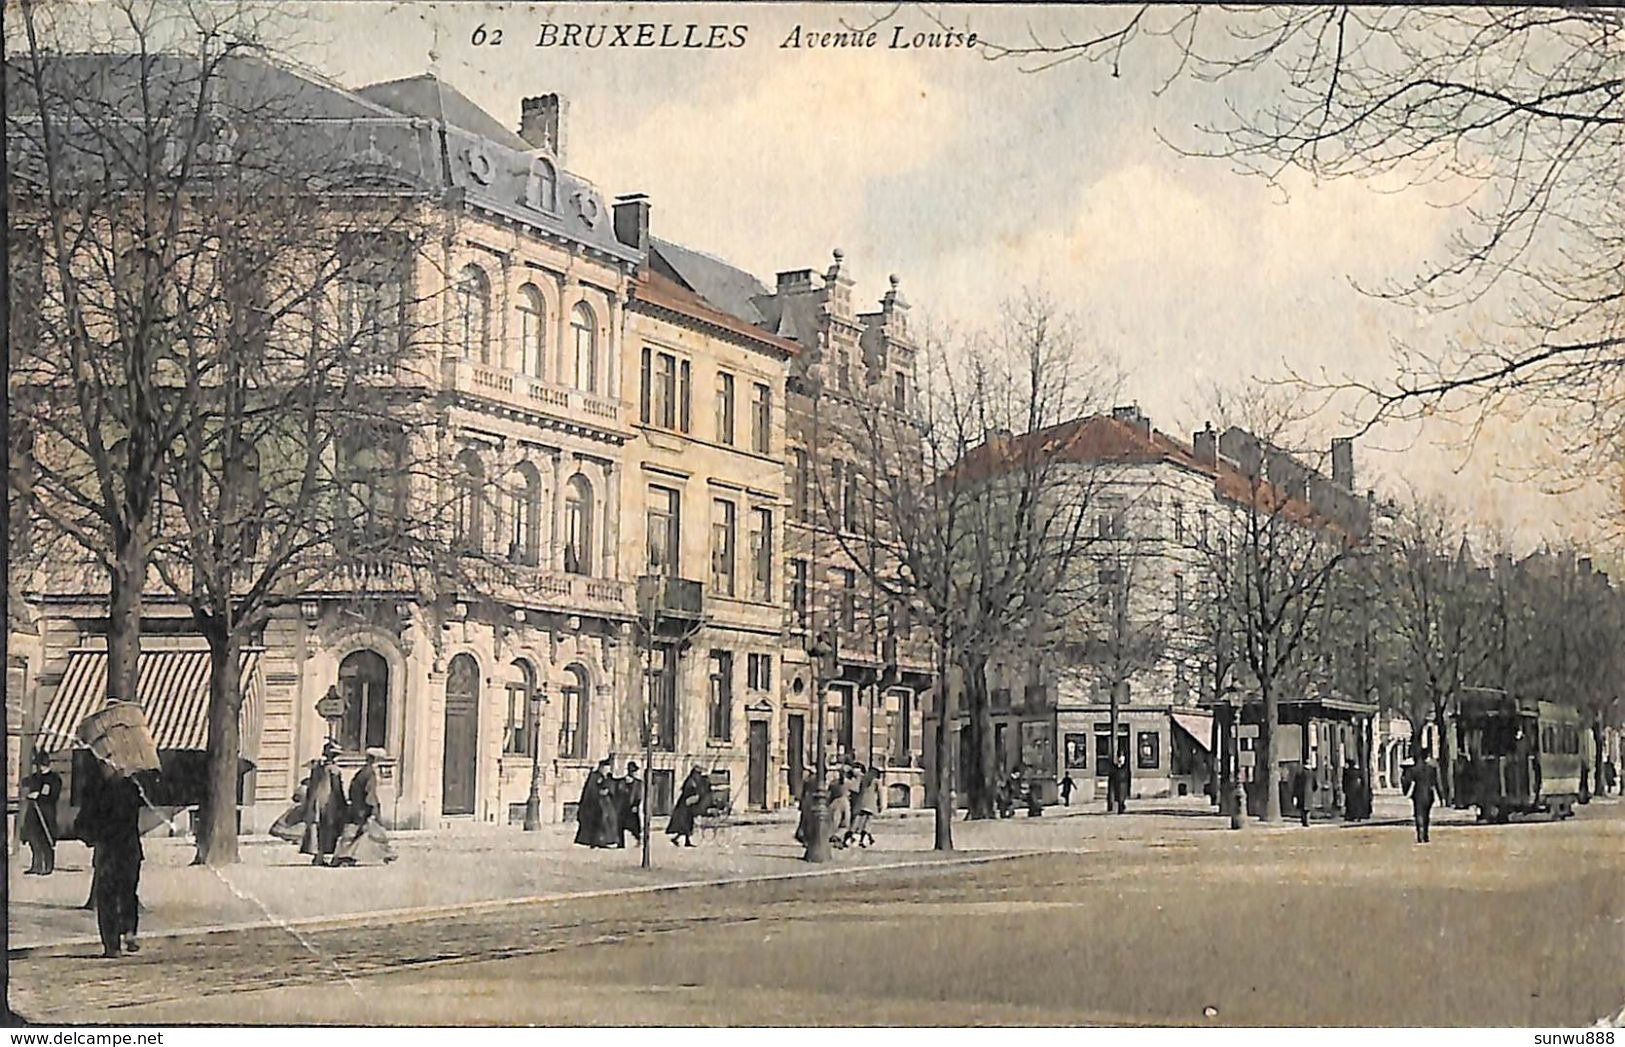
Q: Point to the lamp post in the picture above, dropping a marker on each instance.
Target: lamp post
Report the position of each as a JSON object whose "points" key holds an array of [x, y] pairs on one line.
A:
{"points": [[818, 649], [533, 802]]}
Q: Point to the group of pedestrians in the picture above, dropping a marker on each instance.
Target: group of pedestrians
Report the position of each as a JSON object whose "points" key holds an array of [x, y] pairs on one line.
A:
{"points": [[854, 799], [337, 828], [610, 808]]}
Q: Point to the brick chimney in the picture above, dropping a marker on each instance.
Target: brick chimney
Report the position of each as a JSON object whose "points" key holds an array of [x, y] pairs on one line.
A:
{"points": [[632, 221], [1343, 462], [1205, 446], [541, 124]]}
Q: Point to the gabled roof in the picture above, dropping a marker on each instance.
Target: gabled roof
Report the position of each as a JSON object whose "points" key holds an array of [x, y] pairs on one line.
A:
{"points": [[725, 286], [657, 289], [430, 97]]}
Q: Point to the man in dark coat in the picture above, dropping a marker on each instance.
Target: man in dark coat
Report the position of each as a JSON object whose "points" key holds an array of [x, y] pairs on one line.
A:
{"points": [[692, 801], [1422, 786], [41, 791], [325, 809], [595, 811], [1302, 788], [628, 803], [110, 819], [1067, 785]]}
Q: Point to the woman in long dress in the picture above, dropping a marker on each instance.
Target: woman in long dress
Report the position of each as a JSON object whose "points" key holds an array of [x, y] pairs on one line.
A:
{"points": [[692, 801], [866, 806], [364, 839]]}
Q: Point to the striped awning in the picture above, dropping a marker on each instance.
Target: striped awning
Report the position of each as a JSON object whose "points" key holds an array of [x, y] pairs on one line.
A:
{"points": [[172, 688], [1198, 725]]}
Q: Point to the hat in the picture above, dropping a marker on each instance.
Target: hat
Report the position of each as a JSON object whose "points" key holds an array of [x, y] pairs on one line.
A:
{"points": [[330, 749], [631, 765], [376, 753], [41, 758]]}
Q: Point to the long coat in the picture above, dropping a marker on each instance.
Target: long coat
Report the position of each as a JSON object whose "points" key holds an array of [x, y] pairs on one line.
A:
{"points": [[692, 801], [628, 802], [40, 790], [597, 824], [325, 810], [364, 837], [1422, 784]]}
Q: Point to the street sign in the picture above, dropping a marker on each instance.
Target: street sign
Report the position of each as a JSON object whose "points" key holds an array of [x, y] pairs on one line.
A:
{"points": [[1247, 730], [331, 707], [1245, 758]]}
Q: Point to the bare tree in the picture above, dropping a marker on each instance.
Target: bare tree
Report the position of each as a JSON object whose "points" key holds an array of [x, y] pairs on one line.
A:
{"points": [[223, 386], [1521, 106], [1276, 555], [1434, 599], [980, 519], [1121, 633]]}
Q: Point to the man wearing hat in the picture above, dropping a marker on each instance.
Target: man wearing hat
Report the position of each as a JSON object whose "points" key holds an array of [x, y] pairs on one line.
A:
{"points": [[41, 790], [324, 807], [628, 801], [110, 819]]}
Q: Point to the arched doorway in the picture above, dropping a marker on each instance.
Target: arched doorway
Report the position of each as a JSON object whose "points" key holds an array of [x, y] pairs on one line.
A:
{"points": [[461, 761], [364, 686]]}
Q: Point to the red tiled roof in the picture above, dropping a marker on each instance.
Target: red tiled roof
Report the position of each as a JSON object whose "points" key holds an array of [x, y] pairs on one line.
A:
{"points": [[1097, 439], [665, 293]]}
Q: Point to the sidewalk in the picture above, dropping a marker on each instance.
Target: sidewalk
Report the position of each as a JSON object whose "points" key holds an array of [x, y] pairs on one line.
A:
{"points": [[486, 865]]}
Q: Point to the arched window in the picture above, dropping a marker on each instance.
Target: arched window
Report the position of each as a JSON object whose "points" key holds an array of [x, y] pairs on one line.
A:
{"points": [[542, 189], [525, 514], [584, 331], [364, 686], [519, 730], [573, 714], [578, 525], [474, 314], [532, 315], [469, 518]]}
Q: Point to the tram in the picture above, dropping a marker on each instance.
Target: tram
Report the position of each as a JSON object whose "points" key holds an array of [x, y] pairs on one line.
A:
{"points": [[1522, 756]]}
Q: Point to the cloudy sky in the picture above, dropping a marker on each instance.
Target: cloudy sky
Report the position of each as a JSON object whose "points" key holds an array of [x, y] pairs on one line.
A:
{"points": [[972, 180]]}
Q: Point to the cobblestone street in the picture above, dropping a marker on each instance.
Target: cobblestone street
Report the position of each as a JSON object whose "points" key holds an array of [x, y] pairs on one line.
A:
{"points": [[1514, 924]]}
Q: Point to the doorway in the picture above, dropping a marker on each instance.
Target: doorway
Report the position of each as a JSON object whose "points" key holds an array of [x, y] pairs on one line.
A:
{"points": [[758, 765], [795, 753], [461, 753]]}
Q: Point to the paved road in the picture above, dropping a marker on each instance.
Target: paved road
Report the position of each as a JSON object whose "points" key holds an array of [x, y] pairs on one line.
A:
{"points": [[1509, 925]]}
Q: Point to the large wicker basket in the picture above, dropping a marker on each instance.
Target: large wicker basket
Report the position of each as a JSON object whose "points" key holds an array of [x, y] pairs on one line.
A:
{"points": [[119, 735]]}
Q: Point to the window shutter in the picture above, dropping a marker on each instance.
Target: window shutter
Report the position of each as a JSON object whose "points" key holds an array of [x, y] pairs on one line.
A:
{"points": [[683, 396], [643, 399]]}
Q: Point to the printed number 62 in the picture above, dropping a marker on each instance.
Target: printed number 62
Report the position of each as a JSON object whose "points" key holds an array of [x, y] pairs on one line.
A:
{"points": [[482, 36]]}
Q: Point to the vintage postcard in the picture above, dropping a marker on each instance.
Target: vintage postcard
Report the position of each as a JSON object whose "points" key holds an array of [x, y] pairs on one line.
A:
{"points": [[812, 515]]}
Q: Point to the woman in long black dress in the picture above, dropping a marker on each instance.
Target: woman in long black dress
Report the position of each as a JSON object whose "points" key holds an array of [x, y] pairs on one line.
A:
{"points": [[692, 801]]}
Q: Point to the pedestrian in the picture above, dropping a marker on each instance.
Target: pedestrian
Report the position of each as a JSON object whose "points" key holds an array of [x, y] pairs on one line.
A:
{"points": [[629, 802], [804, 823], [1302, 783], [840, 808], [1608, 776], [1422, 786], [1035, 808], [41, 791], [1118, 784], [693, 800], [364, 837], [325, 809], [595, 810], [1067, 785], [290, 824], [110, 818], [865, 807]]}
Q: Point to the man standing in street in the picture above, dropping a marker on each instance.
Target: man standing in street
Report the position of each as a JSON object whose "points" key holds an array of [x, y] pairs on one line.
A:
{"points": [[111, 820], [628, 802], [41, 791], [1422, 786], [1067, 785]]}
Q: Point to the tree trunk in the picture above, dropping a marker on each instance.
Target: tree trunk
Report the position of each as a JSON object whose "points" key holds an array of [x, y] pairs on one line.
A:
{"points": [[1267, 771], [981, 777], [1214, 749], [1114, 797], [217, 826], [125, 581], [944, 840]]}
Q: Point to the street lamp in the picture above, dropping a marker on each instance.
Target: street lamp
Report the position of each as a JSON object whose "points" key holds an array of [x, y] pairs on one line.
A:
{"points": [[533, 802], [818, 847]]}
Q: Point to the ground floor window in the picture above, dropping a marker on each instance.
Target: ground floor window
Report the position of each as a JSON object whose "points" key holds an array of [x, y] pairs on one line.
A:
{"points": [[364, 686], [1148, 748]]}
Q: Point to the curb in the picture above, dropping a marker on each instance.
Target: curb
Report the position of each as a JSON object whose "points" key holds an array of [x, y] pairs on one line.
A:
{"points": [[431, 912]]}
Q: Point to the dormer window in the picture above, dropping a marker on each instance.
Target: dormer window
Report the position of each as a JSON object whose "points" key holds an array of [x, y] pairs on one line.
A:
{"points": [[542, 189]]}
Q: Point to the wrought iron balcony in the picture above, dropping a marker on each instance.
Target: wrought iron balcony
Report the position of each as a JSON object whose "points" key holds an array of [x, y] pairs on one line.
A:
{"points": [[675, 599]]}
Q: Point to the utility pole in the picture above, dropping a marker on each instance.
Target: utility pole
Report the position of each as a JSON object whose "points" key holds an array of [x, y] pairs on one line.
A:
{"points": [[817, 842]]}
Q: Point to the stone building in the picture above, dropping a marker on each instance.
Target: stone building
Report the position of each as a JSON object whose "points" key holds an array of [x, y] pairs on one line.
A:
{"points": [[520, 295]]}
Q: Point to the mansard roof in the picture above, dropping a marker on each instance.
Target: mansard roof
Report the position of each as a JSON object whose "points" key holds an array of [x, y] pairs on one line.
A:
{"points": [[415, 135]]}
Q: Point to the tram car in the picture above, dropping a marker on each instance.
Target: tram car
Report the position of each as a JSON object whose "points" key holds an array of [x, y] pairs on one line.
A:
{"points": [[1522, 756]]}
